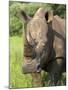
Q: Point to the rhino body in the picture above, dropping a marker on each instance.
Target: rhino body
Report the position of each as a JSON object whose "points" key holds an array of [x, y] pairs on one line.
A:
{"points": [[45, 44]]}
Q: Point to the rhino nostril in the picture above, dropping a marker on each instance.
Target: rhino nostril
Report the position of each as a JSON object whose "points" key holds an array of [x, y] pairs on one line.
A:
{"points": [[38, 68]]}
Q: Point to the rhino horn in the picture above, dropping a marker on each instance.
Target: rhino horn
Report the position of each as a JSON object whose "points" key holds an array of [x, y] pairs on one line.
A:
{"points": [[40, 13]]}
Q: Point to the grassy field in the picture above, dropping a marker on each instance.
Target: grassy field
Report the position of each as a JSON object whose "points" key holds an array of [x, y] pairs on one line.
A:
{"points": [[17, 78]]}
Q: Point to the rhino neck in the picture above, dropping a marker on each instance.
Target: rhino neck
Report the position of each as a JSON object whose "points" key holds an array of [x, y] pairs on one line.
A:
{"points": [[50, 37], [46, 56]]}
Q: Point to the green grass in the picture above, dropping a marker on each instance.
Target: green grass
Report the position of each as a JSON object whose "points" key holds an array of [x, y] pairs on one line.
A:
{"points": [[17, 79]]}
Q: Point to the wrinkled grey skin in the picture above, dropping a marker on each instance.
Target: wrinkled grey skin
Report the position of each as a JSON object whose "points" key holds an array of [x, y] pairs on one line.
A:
{"points": [[45, 44]]}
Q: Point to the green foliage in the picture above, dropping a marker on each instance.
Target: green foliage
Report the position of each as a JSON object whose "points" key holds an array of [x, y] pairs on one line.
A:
{"points": [[59, 9], [14, 7], [15, 24], [31, 8]]}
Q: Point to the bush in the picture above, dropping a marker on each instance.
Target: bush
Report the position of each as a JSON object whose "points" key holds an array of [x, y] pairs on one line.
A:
{"points": [[59, 9], [15, 26], [15, 23]]}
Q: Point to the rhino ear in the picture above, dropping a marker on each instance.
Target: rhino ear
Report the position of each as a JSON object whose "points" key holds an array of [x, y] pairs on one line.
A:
{"points": [[23, 16], [49, 16]]}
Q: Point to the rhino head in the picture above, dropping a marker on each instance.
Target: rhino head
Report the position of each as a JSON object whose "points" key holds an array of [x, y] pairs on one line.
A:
{"points": [[38, 38]]}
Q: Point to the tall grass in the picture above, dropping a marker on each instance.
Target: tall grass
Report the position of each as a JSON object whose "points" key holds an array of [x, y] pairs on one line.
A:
{"points": [[17, 78]]}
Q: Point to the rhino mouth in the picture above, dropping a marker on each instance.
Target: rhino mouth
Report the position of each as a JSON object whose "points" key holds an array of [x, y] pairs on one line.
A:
{"points": [[31, 67]]}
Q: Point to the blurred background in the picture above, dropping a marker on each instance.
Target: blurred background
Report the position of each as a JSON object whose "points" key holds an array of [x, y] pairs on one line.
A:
{"points": [[17, 78]]}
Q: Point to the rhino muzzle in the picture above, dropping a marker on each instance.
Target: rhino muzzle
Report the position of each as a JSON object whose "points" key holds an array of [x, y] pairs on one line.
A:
{"points": [[31, 67]]}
